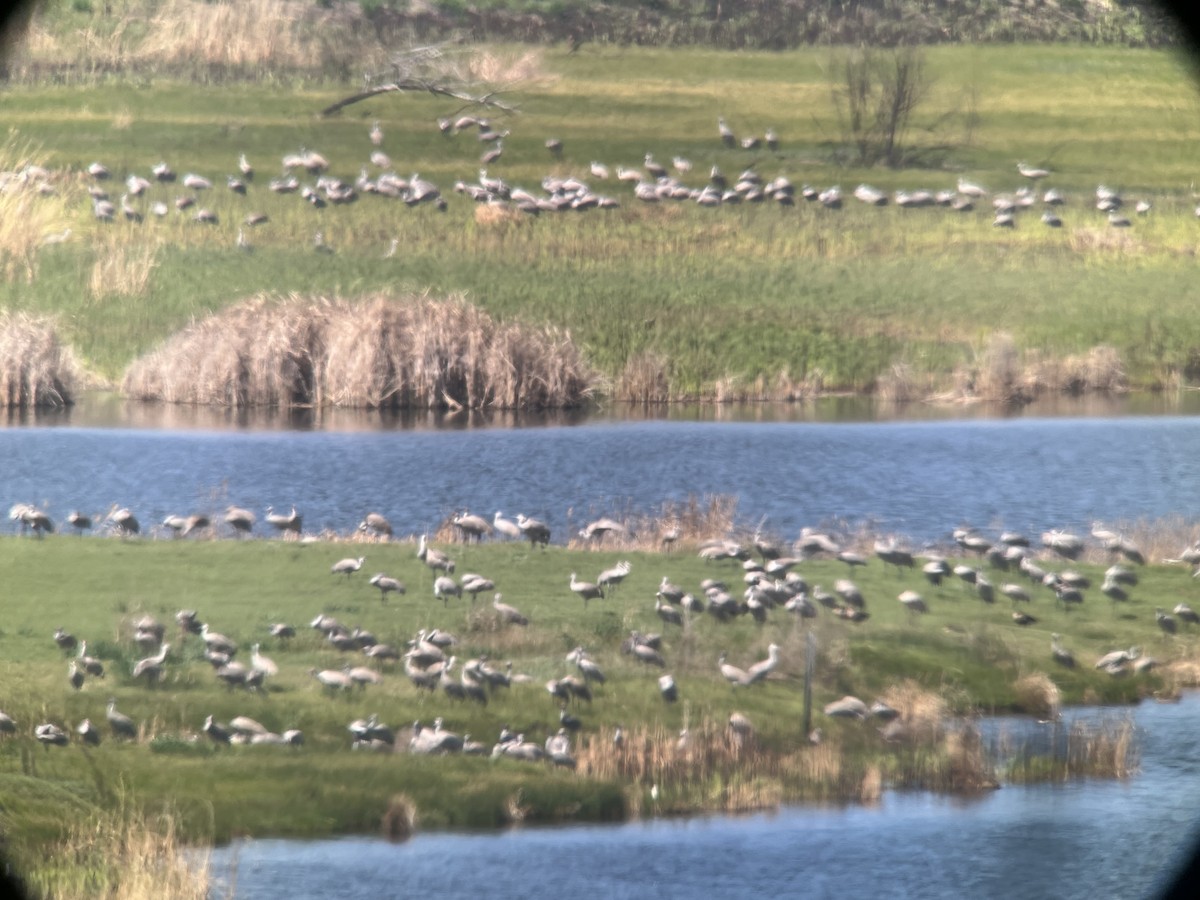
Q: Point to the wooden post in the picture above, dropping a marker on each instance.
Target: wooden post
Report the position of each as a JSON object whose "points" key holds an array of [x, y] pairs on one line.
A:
{"points": [[810, 653]]}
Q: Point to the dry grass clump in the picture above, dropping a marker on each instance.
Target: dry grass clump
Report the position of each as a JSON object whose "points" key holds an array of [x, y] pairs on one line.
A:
{"points": [[764, 389], [1037, 695], [122, 269], [123, 855], [1098, 370], [31, 212], [644, 380], [399, 821], [967, 765], [36, 368], [495, 67], [253, 37], [1004, 374], [686, 522], [379, 352], [922, 712]]}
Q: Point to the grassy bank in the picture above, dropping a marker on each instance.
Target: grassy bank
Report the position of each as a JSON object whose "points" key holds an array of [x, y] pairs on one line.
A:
{"points": [[962, 657], [667, 300]]}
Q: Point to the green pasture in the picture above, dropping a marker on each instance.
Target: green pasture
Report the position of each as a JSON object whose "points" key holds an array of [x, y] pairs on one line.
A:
{"points": [[736, 292], [965, 651]]}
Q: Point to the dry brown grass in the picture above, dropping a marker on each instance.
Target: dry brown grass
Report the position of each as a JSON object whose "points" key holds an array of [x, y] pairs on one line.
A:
{"points": [[36, 368], [123, 856], [253, 37], [644, 380], [922, 712], [968, 768], [764, 389], [123, 269], [1038, 695], [27, 216], [399, 821], [377, 352], [1003, 373]]}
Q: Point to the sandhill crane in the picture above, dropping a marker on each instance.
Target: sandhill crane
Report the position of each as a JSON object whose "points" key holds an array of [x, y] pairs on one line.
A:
{"points": [[333, 679], [216, 641], [506, 527], [611, 578], [848, 707], [292, 522], [434, 558], [668, 614], [262, 663], [731, 673], [50, 735], [1164, 621], [387, 585], [88, 733], [122, 726], [1185, 613], [175, 524], [282, 630], [849, 592], [75, 675], [760, 670], [79, 521], [151, 668], [536, 531], [446, 587], [241, 520], [1062, 656], [1023, 618], [586, 589], [1014, 592], [347, 566], [377, 525], [913, 602], [508, 614], [472, 527], [65, 640], [644, 652], [91, 665], [1031, 172]]}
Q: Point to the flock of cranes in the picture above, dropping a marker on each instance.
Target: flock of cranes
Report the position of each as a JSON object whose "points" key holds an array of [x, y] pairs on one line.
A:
{"points": [[159, 192], [771, 582]]}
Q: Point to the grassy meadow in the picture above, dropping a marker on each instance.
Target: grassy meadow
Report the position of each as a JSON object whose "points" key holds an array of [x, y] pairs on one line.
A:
{"points": [[736, 302], [961, 658]]}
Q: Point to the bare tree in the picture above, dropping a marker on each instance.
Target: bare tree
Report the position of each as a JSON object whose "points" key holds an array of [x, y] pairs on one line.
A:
{"points": [[875, 93], [442, 69]]}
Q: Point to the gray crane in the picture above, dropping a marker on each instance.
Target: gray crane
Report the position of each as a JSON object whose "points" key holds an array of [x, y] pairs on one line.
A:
{"points": [[216, 641], [446, 587], [434, 558], [586, 589], [50, 735], [913, 602], [472, 527], [1061, 654], [122, 725], [612, 577], [290, 523], [534, 530], [387, 585], [88, 733], [79, 521], [377, 525], [506, 527], [347, 566], [240, 520], [509, 615], [760, 670], [151, 668], [1164, 621], [731, 673]]}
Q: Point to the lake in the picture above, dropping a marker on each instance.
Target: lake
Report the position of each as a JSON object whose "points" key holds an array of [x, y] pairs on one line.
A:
{"points": [[919, 478], [1086, 839]]}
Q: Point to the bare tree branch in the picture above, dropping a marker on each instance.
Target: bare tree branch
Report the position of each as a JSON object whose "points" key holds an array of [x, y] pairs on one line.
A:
{"points": [[440, 69], [488, 99]]}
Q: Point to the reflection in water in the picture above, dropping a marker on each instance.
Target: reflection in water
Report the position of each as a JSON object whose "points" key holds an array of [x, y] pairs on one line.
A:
{"points": [[109, 410]]}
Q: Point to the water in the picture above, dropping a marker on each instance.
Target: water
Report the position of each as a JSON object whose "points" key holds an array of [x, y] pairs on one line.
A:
{"points": [[1083, 839], [919, 478]]}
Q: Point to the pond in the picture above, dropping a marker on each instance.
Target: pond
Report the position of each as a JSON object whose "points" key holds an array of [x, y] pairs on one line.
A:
{"points": [[1082, 839]]}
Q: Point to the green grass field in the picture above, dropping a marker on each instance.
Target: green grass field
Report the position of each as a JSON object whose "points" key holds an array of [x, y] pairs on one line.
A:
{"points": [[963, 656], [729, 296]]}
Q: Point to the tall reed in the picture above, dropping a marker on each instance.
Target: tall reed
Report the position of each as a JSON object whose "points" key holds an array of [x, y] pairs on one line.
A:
{"points": [[36, 368], [379, 351]]}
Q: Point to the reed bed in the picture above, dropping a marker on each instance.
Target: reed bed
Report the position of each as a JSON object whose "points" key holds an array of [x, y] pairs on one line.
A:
{"points": [[36, 368], [1105, 749], [379, 352], [121, 855], [122, 269]]}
